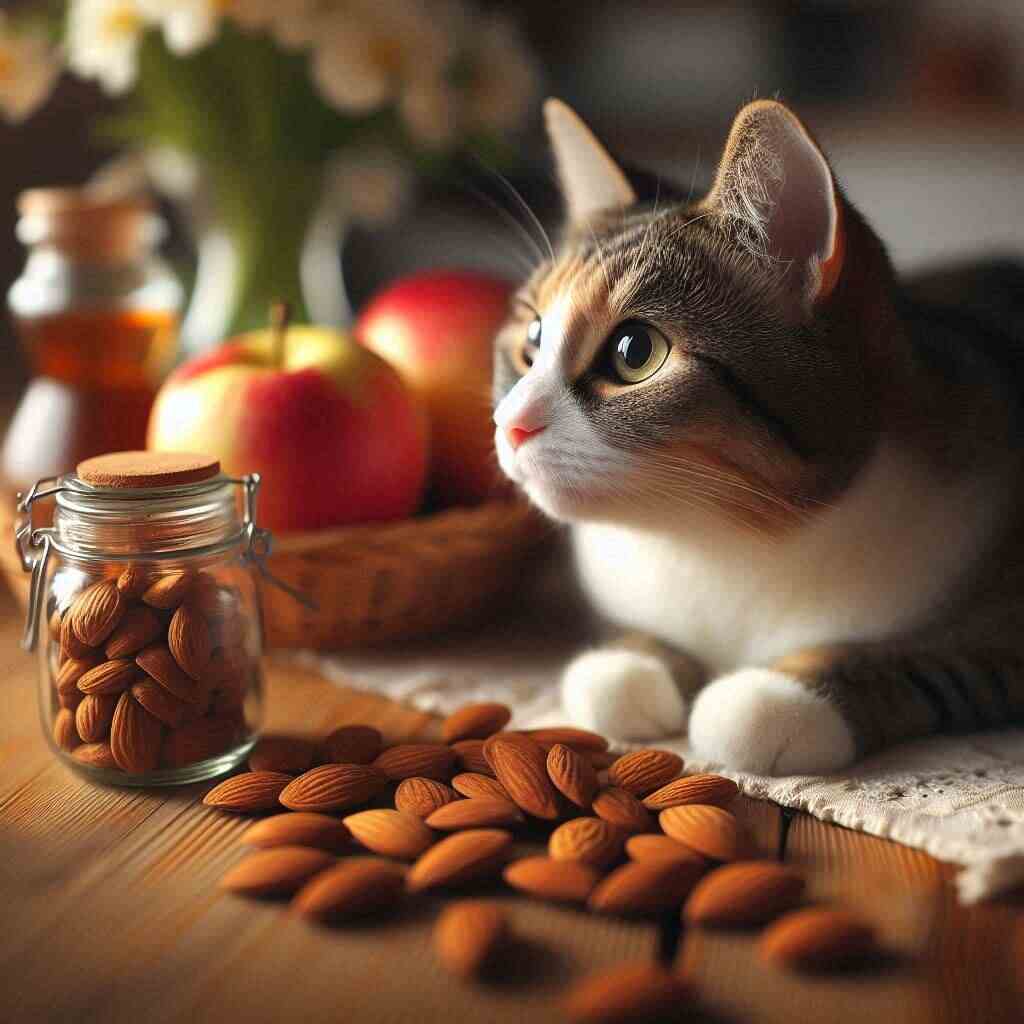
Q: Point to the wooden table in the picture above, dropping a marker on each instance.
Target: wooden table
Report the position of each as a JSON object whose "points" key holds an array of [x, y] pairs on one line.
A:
{"points": [[109, 911]]}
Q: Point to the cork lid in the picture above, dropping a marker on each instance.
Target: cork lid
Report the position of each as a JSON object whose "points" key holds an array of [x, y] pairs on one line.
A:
{"points": [[147, 469], [86, 223]]}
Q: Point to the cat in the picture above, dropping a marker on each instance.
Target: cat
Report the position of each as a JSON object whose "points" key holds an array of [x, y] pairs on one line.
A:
{"points": [[792, 483]]}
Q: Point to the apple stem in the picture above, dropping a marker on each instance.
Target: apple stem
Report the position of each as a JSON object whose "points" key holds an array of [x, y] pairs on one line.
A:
{"points": [[280, 314]]}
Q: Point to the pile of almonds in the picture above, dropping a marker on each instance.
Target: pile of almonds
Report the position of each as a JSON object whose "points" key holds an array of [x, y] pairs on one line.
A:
{"points": [[625, 835], [150, 671]]}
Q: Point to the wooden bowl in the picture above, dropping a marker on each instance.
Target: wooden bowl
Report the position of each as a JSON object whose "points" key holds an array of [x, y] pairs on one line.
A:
{"points": [[381, 582]]}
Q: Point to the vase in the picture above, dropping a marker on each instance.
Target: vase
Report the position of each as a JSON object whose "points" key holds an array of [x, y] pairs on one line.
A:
{"points": [[263, 235]]}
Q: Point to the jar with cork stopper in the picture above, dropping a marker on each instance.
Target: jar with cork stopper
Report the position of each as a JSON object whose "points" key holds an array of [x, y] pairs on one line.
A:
{"points": [[95, 310], [145, 611]]}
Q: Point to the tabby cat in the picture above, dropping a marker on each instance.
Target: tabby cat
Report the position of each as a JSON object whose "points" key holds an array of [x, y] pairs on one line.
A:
{"points": [[793, 484]]}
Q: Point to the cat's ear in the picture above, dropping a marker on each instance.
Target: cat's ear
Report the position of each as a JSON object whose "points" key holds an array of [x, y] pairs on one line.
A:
{"points": [[591, 180], [775, 180]]}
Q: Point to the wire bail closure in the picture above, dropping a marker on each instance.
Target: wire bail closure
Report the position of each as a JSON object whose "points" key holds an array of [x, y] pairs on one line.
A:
{"points": [[35, 546]]}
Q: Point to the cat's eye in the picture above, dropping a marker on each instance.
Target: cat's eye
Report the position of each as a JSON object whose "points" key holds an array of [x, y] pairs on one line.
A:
{"points": [[527, 351], [635, 352]]}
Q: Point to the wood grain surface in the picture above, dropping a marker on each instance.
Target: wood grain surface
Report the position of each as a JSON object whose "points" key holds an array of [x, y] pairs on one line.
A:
{"points": [[111, 911]]}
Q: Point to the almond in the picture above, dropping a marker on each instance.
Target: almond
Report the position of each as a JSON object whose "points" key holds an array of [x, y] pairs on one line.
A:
{"points": [[199, 740], [642, 771], [54, 625], [96, 755], [70, 645], [168, 590], [133, 581], [301, 828], [589, 840], [462, 857], [619, 807], [479, 812], [72, 669], [601, 759], [470, 754], [473, 784], [659, 847], [692, 789], [228, 668], [188, 638], [564, 881], [109, 677], [356, 886], [276, 872], [817, 937], [520, 767], [629, 992], [65, 733], [580, 740], [95, 612], [572, 774], [249, 792], [159, 664], [333, 787], [161, 703], [423, 796], [711, 831], [94, 715], [743, 895], [475, 722], [427, 760], [468, 934], [138, 627], [390, 833], [289, 754], [135, 737], [646, 886], [71, 699], [353, 744]]}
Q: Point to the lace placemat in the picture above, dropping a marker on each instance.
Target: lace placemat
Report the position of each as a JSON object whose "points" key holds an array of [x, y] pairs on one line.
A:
{"points": [[961, 798]]}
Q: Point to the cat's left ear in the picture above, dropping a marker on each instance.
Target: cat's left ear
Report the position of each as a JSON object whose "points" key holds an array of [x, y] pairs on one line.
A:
{"points": [[591, 180], [775, 180]]}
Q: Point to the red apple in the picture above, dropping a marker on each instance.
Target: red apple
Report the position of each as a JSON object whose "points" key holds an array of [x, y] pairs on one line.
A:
{"points": [[331, 428], [438, 330]]}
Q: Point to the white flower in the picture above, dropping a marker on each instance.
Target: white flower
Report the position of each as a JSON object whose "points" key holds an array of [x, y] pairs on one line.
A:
{"points": [[372, 184], [103, 41], [429, 108], [188, 25], [29, 67], [502, 77], [366, 54], [292, 23]]}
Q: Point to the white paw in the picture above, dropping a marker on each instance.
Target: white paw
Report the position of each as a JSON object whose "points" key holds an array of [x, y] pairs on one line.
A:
{"points": [[764, 721], [623, 694]]}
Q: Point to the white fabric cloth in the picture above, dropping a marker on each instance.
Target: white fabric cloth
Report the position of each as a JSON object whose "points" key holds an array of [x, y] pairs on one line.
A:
{"points": [[961, 798]]}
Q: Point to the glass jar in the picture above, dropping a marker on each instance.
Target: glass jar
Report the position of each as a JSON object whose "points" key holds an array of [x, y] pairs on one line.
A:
{"points": [[96, 312], [144, 591]]}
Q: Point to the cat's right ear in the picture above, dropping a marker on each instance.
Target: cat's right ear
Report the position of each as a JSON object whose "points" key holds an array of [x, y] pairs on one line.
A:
{"points": [[591, 180], [776, 185]]}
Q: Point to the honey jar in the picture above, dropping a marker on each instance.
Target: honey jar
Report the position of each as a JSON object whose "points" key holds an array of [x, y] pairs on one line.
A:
{"points": [[145, 611], [96, 312]]}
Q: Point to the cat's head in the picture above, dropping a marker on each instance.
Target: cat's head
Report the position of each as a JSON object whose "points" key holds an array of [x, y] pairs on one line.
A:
{"points": [[681, 358]]}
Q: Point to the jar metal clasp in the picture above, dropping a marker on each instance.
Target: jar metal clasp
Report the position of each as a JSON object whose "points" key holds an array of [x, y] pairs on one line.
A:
{"points": [[34, 547]]}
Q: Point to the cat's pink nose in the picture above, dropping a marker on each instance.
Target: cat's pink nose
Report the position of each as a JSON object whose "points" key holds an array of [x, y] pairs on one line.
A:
{"points": [[517, 435]]}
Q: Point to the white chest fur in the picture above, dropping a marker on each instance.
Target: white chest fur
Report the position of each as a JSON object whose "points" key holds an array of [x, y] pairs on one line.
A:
{"points": [[875, 564]]}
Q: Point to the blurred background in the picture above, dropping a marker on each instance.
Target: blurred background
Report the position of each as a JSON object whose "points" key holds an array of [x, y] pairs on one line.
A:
{"points": [[918, 103]]}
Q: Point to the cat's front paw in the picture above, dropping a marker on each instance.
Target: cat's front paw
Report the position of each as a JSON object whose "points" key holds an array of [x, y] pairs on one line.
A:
{"points": [[623, 694], [764, 721]]}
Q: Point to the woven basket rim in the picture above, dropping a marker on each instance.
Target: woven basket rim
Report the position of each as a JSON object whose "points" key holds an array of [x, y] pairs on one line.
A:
{"points": [[469, 517]]}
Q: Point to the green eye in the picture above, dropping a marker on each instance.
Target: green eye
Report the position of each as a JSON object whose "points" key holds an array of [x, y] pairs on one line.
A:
{"points": [[636, 352]]}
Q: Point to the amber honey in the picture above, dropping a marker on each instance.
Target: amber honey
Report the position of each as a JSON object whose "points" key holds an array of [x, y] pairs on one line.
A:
{"points": [[96, 314]]}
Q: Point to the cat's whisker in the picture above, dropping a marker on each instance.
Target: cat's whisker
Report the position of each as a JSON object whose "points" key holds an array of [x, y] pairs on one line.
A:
{"points": [[522, 203]]}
